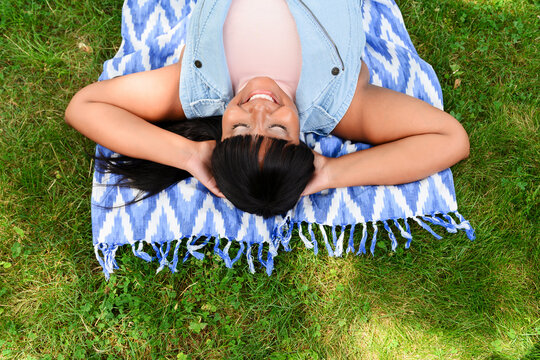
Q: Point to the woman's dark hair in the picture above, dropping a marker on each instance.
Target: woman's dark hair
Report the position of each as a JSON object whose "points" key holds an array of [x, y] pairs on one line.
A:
{"points": [[268, 187]]}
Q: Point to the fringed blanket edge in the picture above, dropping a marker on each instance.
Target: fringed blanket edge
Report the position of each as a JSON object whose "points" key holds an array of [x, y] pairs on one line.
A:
{"points": [[332, 237]]}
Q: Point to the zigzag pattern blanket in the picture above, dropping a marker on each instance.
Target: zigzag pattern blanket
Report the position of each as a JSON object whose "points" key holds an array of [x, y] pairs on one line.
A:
{"points": [[185, 219]]}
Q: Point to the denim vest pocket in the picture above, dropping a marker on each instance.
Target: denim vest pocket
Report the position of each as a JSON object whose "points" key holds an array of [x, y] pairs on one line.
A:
{"points": [[208, 107], [319, 122]]}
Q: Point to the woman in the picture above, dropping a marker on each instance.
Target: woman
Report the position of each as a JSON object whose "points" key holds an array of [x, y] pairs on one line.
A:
{"points": [[270, 69]]}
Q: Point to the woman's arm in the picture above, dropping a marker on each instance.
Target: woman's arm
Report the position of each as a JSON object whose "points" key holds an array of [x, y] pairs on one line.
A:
{"points": [[413, 140], [117, 114]]}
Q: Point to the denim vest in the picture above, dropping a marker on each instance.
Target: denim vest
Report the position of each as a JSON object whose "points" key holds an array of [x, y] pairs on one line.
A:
{"points": [[332, 40]]}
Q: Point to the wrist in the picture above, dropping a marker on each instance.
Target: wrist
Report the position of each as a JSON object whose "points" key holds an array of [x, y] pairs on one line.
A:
{"points": [[197, 153], [323, 170], [185, 153], [327, 173]]}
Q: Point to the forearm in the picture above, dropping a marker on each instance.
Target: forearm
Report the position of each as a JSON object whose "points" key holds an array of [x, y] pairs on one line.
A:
{"points": [[402, 161], [128, 134]]}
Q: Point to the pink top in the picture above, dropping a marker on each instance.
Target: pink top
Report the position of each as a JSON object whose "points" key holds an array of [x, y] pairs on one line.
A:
{"points": [[261, 39]]}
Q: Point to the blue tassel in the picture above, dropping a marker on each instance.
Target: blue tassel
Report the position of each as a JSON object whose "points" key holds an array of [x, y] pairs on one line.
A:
{"points": [[192, 249], [224, 254], [164, 262], [339, 246], [426, 227], [188, 254], [221, 254], [250, 259], [404, 234], [350, 248], [278, 237], [465, 225], [391, 235], [269, 264], [290, 229], [273, 247], [260, 253], [436, 221], [362, 248], [239, 254], [109, 254], [325, 237], [168, 248], [374, 240], [175, 256], [139, 253], [451, 221], [113, 258], [287, 237], [156, 251], [304, 239], [283, 233], [448, 223], [101, 260], [313, 239], [408, 230], [227, 257]]}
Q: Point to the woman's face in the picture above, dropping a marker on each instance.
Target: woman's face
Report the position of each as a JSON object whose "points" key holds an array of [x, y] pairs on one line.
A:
{"points": [[262, 108]]}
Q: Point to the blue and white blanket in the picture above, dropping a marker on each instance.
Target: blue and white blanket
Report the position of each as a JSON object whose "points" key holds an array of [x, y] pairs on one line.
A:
{"points": [[186, 220]]}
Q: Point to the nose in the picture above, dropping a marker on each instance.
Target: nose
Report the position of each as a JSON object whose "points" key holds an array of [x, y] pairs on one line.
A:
{"points": [[260, 106], [259, 110]]}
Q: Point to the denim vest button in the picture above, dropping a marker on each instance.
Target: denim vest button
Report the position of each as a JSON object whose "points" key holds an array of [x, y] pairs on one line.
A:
{"points": [[335, 71], [198, 64]]}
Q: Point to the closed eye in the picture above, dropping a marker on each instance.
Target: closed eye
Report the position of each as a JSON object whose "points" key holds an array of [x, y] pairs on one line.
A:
{"points": [[278, 126], [239, 125]]}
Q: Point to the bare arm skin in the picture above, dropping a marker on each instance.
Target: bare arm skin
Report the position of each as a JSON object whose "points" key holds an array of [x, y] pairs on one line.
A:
{"points": [[413, 140], [118, 114]]}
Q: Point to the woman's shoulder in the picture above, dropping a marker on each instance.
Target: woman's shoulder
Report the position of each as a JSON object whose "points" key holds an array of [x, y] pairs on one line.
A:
{"points": [[347, 127]]}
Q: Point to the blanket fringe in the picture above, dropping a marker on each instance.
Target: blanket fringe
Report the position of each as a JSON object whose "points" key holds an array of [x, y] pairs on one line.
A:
{"points": [[195, 245]]}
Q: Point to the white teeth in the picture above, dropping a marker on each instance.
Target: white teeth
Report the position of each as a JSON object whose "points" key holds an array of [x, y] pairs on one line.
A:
{"points": [[261, 96]]}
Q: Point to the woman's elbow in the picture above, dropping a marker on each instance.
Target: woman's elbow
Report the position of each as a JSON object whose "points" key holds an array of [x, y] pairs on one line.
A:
{"points": [[460, 142], [466, 147], [68, 114], [74, 109]]}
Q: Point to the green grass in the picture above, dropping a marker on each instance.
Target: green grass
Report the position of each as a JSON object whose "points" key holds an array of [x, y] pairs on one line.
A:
{"points": [[447, 299]]}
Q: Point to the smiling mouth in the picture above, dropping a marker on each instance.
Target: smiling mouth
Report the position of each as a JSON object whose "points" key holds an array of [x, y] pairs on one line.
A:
{"points": [[265, 95]]}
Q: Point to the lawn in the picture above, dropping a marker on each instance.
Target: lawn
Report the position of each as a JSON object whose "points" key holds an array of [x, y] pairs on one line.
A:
{"points": [[441, 299]]}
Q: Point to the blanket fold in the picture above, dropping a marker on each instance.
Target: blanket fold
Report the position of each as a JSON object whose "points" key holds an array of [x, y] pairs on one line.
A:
{"points": [[186, 220]]}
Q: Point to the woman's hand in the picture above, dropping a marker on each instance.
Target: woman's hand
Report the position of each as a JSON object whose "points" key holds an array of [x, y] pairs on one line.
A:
{"points": [[199, 165], [321, 179]]}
